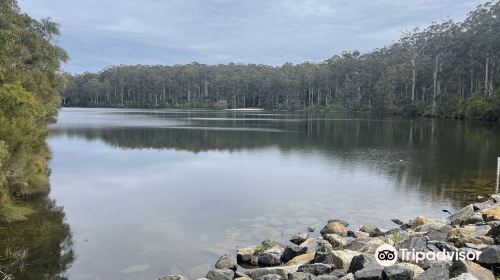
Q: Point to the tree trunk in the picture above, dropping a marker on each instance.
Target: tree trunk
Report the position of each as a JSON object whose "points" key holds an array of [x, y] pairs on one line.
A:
{"points": [[414, 79]]}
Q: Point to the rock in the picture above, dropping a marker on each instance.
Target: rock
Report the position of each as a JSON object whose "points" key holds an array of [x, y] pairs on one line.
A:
{"points": [[465, 276], [414, 269], [311, 228], [271, 277], [458, 233], [348, 276], [484, 240], [440, 233], [282, 271], [419, 220], [358, 243], [302, 259], [461, 215], [415, 242], [363, 261], [271, 256], [372, 245], [343, 222], [397, 273], [491, 214], [226, 261], [478, 247], [397, 222], [474, 219], [335, 240], [495, 197], [429, 227], [299, 238], [464, 266], [245, 254], [494, 232], [327, 277], [236, 278], [316, 268], [490, 257], [442, 245], [291, 252], [357, 234], [368, 274], [301, 276], [339, 273], [220, 274], [173, 277], [437, 271], [316, 244], [372, 231], [342, 258], [336, 228]]}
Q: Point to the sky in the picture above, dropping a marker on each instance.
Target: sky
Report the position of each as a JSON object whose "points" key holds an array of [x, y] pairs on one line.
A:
{"points": [[99, 33]]}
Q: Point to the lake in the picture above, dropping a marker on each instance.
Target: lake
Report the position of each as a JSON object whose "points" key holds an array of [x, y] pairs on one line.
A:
{"points": [[148, 193]]}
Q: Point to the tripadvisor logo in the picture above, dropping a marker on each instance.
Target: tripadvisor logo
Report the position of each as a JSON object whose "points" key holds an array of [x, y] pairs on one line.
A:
{"points": [[387, 255]]}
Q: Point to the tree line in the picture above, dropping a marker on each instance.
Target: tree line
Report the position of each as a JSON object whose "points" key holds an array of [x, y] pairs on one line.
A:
{"points": [[447, 69]]}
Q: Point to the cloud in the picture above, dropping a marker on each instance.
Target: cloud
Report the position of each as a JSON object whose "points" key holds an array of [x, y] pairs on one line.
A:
{"points": [[98, 33]]}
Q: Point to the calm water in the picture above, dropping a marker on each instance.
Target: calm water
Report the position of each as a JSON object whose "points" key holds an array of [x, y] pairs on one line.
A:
{"points": [[152, 192]]}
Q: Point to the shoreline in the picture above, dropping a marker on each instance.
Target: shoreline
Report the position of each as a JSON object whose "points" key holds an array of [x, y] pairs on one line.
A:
{"points": [[471, 236]]}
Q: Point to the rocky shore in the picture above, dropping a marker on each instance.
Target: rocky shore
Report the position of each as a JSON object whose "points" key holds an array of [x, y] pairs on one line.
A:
{"points": [[344, 253]]}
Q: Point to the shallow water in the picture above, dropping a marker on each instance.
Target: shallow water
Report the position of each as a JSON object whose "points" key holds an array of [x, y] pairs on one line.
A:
{"points": [[153, 192]]}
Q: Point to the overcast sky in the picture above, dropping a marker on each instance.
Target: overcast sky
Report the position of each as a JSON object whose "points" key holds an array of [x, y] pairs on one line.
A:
{"points": [[98, 33]]}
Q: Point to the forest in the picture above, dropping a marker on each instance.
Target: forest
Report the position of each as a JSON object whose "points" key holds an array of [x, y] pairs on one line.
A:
{"points": [[448, 69]]}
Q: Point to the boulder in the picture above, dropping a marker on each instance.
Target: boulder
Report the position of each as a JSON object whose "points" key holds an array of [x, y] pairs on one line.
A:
{"points": [[414, 269], [372, 245], [357, 234], [474, 219], [414, 242], [334, 227], [291, 252], [342, 258], [220, 274], [437, 271], [358, 243], [439, 233], [348, 276], [271, 256], [420, 220], [372, 231], [490, 257], [301, 276], [245, 254], [463, 266], [461, 215], [363, 261], [478, 247], [396, 272], [458, 233], [327, 277], [339, 273], [343, 222], [335, 240], [316, 244], [368, 274], [299, 238], [302, 259], [173, 277], [494, 233], [311, 228], [465, 276], [226, 261], [282, 271], [271, 277], [491, 214], [316, 268]]}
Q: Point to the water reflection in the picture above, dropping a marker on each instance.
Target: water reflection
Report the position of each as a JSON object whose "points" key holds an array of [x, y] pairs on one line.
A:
{"points": [[149, 193], [39, 248]]}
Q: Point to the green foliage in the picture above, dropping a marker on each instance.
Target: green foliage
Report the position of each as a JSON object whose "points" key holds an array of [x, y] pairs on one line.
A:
{"points": [[29, 100], [480, 109]]}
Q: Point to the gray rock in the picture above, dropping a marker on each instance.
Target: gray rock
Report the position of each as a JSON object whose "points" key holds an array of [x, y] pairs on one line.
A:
{"points": [[270, 257], [339, 273], [173, 277], [301, 276], [291, 252], [357, 234], [358, 243], [440, 234], [478, 247], [270, 277], [363, 261], [327, 277], [316, 244], [465, 276], [368, 274], [372, 231], [335, 240], [438, 271], [220, 274], [226, 261], [461, 266], [316, 268], [283, 271], [299, 238], [474, 219], [443, 245], [461, 215], [490, 257], [348, 276], [415, 242], [311, 228], [396, 273]]}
